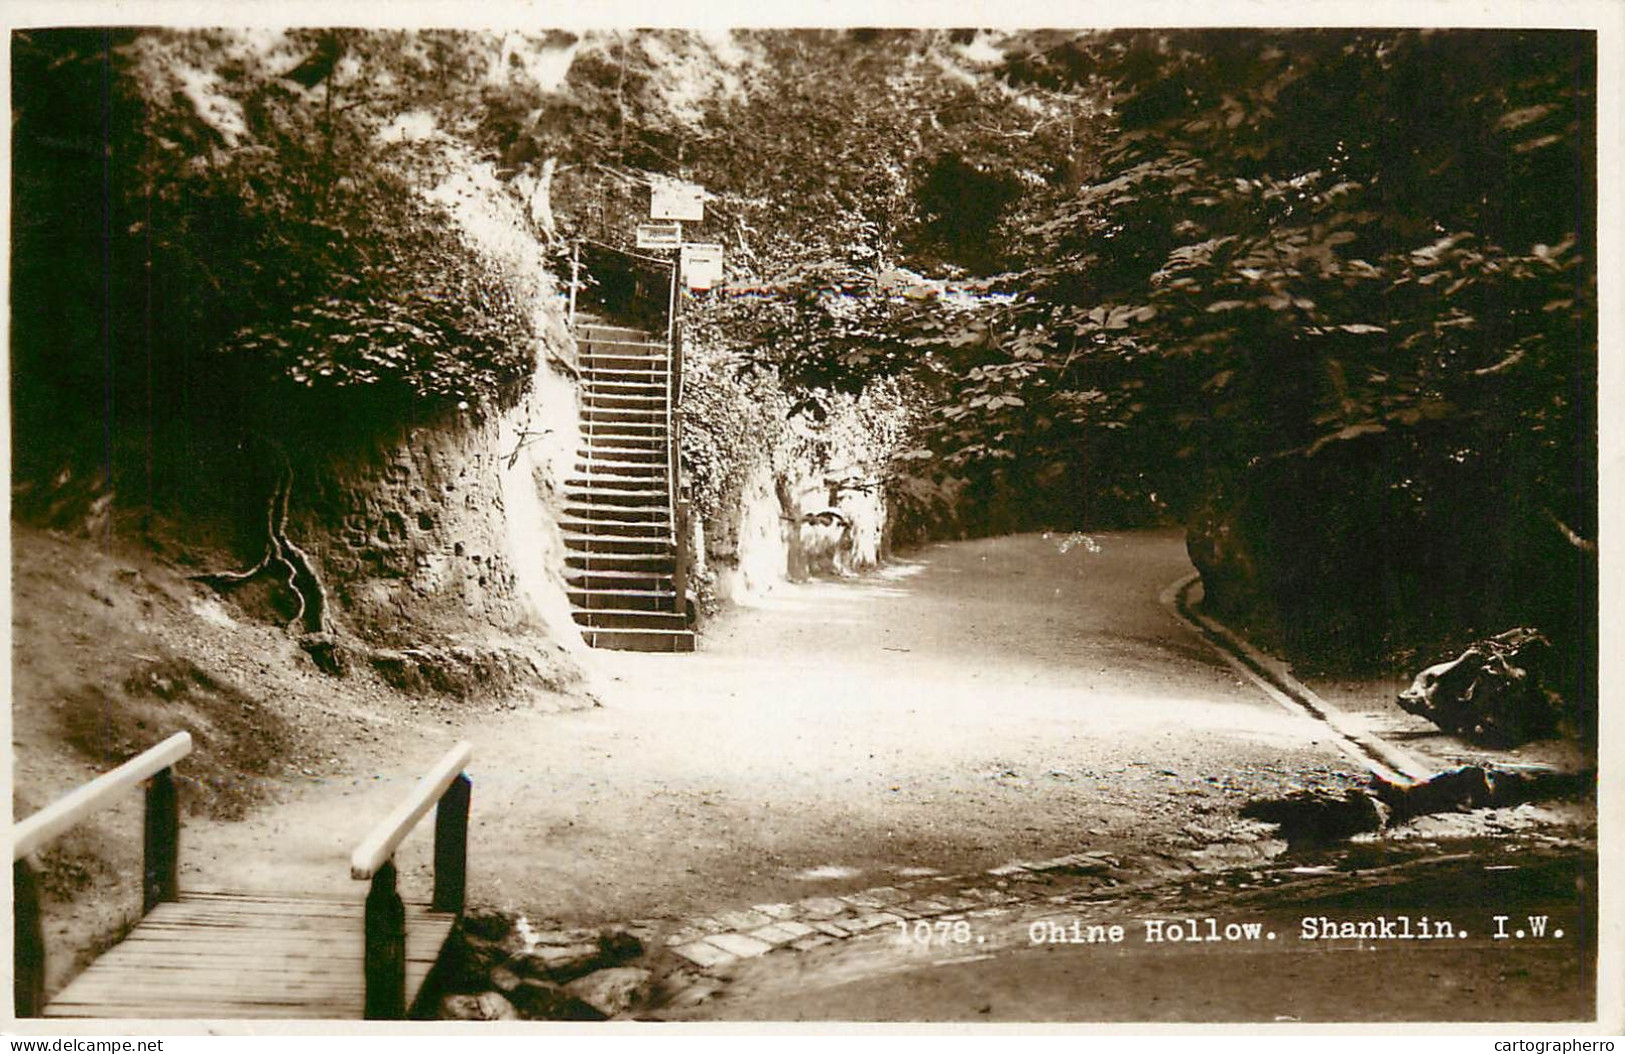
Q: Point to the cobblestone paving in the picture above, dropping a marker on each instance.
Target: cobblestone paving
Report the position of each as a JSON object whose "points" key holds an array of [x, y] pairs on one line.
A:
{"points": [[710, 944]]}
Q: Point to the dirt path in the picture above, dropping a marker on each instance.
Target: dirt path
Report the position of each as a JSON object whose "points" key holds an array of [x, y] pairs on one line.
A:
{"points": [[980, 702]]}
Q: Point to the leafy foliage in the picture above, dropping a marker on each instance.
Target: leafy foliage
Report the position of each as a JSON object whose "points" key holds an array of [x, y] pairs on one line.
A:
{"points": [[1345, 274], [737, 421], [1136, 276], [1291, 241], [732, 424], [254, 208]]}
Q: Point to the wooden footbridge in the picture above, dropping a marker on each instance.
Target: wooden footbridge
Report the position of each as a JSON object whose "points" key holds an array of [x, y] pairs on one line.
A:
{"points": [[234, 954]]}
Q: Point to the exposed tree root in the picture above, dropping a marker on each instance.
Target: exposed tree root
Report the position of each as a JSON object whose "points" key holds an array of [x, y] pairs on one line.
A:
{"points": [[281, 557]]}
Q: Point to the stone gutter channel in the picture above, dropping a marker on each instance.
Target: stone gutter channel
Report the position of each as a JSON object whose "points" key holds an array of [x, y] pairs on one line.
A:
{"points": [[497, 967], [1404, 784], [1272, 676]]}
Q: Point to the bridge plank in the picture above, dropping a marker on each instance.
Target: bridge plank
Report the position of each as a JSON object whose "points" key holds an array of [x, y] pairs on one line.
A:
{"points": [[217, 954]]}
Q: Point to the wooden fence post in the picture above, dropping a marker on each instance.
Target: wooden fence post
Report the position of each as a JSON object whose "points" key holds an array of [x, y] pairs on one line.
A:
{"points": [[27, 942], [451, 845], [161, 838], [385, 948]]}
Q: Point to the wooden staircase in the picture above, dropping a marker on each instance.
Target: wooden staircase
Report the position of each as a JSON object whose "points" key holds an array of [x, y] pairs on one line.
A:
{"points": [[627, 565]]}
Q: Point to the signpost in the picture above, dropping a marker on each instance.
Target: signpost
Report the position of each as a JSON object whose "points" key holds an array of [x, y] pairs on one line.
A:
{"points": [[702, 265], [673, 199], [660, 235]]}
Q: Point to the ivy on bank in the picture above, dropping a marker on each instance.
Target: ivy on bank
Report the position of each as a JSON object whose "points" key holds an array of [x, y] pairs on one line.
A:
{"points": [[258, 214]]}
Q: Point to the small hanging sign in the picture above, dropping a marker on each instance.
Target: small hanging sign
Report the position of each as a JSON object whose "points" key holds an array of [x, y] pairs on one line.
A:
{"points": [[702, 265], [672, 199], [660, 235]]}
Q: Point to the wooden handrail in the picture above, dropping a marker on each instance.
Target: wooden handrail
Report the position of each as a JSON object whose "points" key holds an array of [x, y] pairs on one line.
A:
{"points": [[384, 917], [160, 867], [380, 845], [74, 807]]}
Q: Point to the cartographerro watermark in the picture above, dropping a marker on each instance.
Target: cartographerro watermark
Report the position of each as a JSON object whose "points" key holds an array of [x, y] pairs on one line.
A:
{"points": [[1206, 929]]}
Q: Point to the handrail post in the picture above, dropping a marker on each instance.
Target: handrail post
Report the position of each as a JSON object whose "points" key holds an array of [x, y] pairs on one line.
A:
{"points": [[575, 278], [451, 845], [674, 381], [161, 838], [674, 474], [385, 948], [27, 942], [681, 556]]}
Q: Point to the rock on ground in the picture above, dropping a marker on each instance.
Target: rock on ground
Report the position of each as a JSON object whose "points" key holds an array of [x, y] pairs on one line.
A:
{"points": [[613, 991]]}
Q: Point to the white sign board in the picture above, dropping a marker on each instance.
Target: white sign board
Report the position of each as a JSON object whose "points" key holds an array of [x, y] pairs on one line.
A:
{"points": [[702, 265], [660, 235], [671, 199]]}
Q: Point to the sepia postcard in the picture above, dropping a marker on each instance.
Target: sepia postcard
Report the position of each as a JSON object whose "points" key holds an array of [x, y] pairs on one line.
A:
{"points": [[531, 519]]}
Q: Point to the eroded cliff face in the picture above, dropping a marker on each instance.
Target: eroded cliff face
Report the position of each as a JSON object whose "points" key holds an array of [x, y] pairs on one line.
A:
{"points": [[748, 552], [379, 529], [779, 529], [438, 542]]}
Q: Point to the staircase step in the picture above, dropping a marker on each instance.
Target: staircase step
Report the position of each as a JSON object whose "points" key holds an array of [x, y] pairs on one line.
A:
{"points": [[615, 401], [634, 444], [625, 390], [596, 472], [654, 600], [636, 489], [599, 405], [613, 470], [647, 581], [576, 490], [617, 415], [631, 338], [593, 425], [583, 541], [634, 349], [665, 640], [597, 510], [662, 564], [617, 618], [617, 382], [650, 454], [629, 530], [623, 462], [638, 445], [649, 376], [655, 386], [628, 338], [645, 430], [624, 559], [636, 357], [593, 362]]}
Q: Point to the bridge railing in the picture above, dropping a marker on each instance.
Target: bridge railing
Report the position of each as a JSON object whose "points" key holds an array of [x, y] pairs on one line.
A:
{"points": [[161, 844], [447, 788]]}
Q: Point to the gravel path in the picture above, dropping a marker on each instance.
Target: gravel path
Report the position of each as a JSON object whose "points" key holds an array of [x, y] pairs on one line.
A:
{"points": [[978, 702]]}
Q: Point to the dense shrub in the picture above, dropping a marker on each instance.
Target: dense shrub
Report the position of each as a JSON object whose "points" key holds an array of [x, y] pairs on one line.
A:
{"points": [[207, 224]]}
